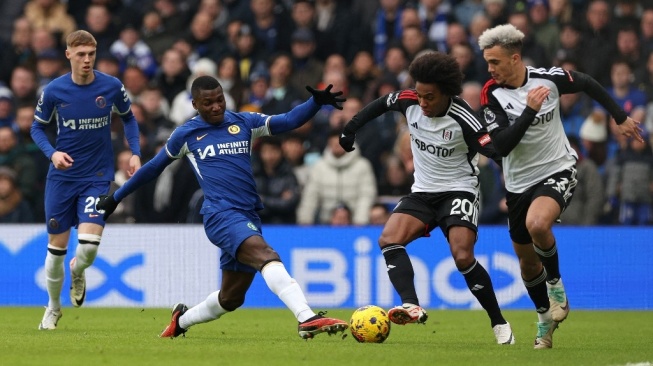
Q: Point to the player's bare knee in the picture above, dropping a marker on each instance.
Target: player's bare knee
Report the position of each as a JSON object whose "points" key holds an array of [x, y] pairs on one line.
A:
{"points": [[538, 227], [231, 303]]}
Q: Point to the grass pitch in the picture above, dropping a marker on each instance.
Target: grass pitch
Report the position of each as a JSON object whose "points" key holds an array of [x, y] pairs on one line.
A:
{"points": [[129, 336]]}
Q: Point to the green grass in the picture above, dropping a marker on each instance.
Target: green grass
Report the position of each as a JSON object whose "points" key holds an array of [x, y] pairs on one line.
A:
{"points": [[129, 336]]}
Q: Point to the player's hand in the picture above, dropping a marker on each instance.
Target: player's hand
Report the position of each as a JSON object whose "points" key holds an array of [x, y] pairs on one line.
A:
{"points": [[134, 164], [631, 128], [61, 160], [537, 96], [347, 140], [107, 204], [325, 97]]}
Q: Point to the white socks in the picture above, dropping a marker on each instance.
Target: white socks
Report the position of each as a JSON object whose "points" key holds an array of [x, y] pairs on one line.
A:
{"points": [[203, 312], [280, 282], [54, 275], [86, 252]]}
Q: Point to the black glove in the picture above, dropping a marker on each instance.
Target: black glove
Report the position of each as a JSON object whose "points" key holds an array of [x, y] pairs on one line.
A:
{"points": [[325, 97], [347, 140], [108, 204]]}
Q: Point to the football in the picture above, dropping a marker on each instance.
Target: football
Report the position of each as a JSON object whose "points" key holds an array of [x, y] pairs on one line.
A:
{"points": [[370, 324]]}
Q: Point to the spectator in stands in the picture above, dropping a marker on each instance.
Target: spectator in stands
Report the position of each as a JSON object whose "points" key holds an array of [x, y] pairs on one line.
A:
{"points": [[206, 41], [546, 33], [386, 28], [108, 64], [414, 41], [497, 11], [23, 85], [271, 28], [217, 12], [493, 207], [630, 183], [472, 94], [570, 47], [125, 212], [627, 14], [230, 79], [19, 50], [466, 58], [6, 107], [257, 93], [646, 31], [14, 156], [598, 41], [395, 64], [435, 17], [379, 214], [574, 107], [561, 11], [395, 181], [465, 11], [43, 40], [154, 34], [131, 50], [307, 69], [587, 206], [337, 178], [282, 95], [629, 49], [98, 22], [533, 53], [51, 15], [276, 183], [49, 65], [362, 73], [247, 51], [293, 146], [14, 209], [173, 74], [630, 99], [135, 81], [337, 30], [341, 215]]}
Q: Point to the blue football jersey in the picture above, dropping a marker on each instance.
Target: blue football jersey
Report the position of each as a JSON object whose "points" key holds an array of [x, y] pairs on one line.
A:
{"points": [[83, 117], [221, 158]]}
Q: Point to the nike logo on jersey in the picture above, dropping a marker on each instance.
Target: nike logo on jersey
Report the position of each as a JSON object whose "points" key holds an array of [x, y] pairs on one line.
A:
{"points": [[93, 215], [64, 105], [201, 137]]}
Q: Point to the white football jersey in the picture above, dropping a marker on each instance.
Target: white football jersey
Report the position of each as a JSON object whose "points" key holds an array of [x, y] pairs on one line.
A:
{"points": [[544, 149], [445, 149]]}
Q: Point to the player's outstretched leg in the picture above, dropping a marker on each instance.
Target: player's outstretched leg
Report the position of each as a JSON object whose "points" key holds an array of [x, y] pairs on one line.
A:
{"points": [[558, 300], [50, 319], [174, 329], [321, 324], [77, 286], [544, 337], [407, 313], [503, 334]]}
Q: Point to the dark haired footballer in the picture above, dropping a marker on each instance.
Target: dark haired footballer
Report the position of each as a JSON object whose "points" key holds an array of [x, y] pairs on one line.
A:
{"points": [[218, 144], [446, 137]]}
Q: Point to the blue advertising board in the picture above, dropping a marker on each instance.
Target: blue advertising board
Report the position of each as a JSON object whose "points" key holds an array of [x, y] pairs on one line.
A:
{"points": [[602, 267]]}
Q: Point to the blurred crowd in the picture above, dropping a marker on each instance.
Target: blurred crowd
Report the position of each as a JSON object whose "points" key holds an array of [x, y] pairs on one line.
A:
{"points": [[264, 53]]}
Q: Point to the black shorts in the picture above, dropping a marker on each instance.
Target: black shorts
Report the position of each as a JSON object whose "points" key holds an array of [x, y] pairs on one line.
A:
{"points": [[441, 209], [560, 186]]}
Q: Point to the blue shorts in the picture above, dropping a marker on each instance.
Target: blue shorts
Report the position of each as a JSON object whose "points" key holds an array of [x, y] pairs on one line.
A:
{"points": [[227, 230], [69, 203]]}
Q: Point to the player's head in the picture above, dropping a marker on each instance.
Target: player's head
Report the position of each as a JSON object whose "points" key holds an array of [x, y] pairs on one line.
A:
{"points": [[208, 99], [502, 47], [81, 51], [437, 78]]}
